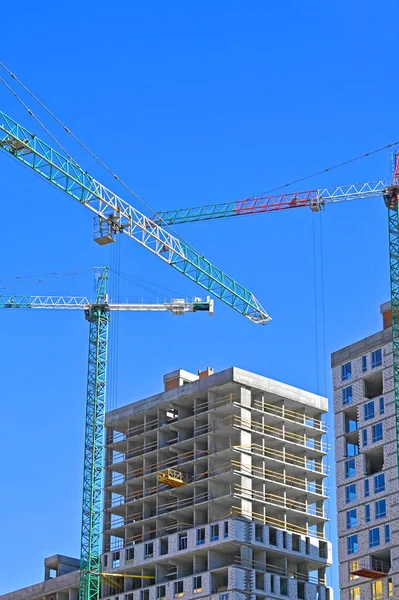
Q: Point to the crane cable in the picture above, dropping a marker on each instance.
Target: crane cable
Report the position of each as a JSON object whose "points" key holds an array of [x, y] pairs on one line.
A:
{"points": [[299, 180], [341, 164], [83, 145], [113, 360], [69, 157], [44, 277], [315, 303]]}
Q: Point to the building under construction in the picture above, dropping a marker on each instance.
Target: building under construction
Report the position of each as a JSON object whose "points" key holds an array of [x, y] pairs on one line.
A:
{"points": [[366, 463], [214, 488]]}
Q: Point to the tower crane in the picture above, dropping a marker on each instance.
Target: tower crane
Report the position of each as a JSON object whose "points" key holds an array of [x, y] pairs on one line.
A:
{"points": [[97, 312], [113, 215], [316, 200]]}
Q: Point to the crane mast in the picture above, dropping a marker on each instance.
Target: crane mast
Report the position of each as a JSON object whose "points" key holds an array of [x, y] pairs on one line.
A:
{"points": [[90, 550], [391, 198]]}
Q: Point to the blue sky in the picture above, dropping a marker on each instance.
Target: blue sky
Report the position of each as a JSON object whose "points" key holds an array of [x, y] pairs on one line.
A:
{"points": [[190, 103]]}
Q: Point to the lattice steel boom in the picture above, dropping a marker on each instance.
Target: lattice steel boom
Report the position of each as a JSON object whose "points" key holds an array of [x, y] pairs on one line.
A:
{"points": [[117, 216], [313, 199], [176, 306]]}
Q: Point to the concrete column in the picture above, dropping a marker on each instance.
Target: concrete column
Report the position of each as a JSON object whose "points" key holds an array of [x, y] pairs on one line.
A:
{"points": [[245, 459]]}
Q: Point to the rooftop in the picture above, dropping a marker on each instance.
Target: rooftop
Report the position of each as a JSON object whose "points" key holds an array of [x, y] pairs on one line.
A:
{"points": [[273, 390]]}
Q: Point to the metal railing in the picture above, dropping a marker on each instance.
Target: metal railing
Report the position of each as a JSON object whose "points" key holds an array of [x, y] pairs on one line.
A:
{"points": [[237, 511], [276, 432], [289, 415], [285, 457], [275, 570], [281, 501]]}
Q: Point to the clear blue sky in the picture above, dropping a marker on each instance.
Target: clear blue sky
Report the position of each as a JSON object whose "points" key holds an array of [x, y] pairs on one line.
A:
{"points": [[190, 103]]}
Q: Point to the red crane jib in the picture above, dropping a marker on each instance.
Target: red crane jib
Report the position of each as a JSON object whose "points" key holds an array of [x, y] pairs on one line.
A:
{"points": [[272, 203]]}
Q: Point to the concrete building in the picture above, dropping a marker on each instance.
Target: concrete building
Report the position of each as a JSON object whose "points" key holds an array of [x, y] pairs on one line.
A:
{"points": [[366, 467], [61, 581], [214, 489]]}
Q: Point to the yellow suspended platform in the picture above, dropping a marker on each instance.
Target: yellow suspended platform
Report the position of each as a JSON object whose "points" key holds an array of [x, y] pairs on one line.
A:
{"points": [[171, 478]]}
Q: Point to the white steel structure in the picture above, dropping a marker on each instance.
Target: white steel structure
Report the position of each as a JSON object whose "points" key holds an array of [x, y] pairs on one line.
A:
{"points": [[177, 306]]}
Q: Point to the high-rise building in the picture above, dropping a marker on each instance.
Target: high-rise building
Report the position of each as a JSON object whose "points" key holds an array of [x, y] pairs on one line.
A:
{"points": [[366, 467], [214, 489]]}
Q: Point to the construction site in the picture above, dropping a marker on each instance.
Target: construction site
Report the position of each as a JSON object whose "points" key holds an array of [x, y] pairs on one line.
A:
{"points": [[274, 472]]}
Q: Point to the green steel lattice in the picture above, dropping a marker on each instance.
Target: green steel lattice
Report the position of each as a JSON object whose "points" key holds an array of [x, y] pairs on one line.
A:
{"points": [[90, 559]]}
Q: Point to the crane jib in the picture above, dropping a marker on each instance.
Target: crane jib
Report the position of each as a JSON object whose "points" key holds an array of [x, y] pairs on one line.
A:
{"points": [[70, 178]]}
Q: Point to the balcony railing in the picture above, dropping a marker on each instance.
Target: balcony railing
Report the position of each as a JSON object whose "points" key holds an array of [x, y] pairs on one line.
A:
{"points": [[288, 480], [289, 415], [285, 457], [276, 432], [370, 567], [237, 511], [275, 570], [281, 501]]}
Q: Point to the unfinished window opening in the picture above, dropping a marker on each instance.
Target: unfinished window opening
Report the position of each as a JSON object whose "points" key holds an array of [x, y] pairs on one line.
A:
{"points": [[374, 460], [373, 385], [323, 549], [116, 559], [307, 546], [296, 541], [145, 595], [272, 536], [283, 586], [164, 546], [197, 584], [214, 532], [284, 539], [226, 529], [129, 555], [352, 448], [259, 580], [351, 423], [52, 573], [220, 582], [301, 590], [178, 589], [259, 533], [149, 550], [201, 536], [381, 561], [161, 592], [183, 541]]}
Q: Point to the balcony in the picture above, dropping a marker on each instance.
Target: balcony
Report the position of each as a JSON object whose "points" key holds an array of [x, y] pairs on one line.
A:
{"points": [[277, 433], [370, 567]]}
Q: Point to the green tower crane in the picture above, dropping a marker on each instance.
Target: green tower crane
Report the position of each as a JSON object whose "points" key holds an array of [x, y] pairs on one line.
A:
{"points": [[316, 200], [113, 215], [97, 313]]}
